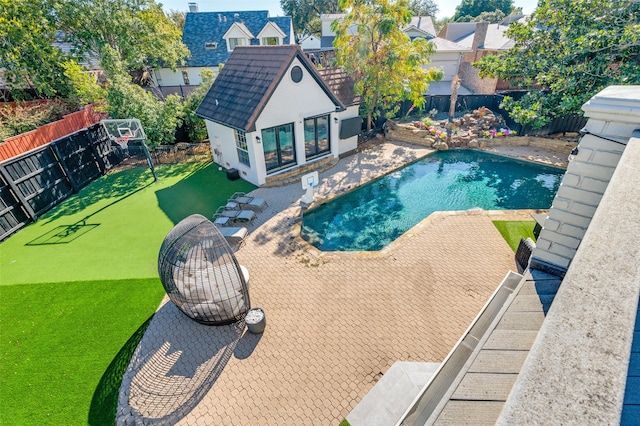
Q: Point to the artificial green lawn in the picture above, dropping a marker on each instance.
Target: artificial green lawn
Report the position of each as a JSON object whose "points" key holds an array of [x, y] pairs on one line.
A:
{"points": [[78, 287], [513, 230], [57, 342], [113, 228]]}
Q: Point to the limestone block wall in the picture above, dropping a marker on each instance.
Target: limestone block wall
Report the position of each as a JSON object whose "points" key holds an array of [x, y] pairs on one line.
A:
{"points": [[613, 115]]}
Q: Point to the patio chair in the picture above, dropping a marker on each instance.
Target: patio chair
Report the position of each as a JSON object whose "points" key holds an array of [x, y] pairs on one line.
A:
{"points": [[234, 235], [224, 216], [247, 201]]}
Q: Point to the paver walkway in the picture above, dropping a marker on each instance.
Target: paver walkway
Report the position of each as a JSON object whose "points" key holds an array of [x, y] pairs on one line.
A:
{"points": [[335, 324]]}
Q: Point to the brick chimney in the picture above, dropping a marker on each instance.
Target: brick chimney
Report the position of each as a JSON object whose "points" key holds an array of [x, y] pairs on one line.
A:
{"points": [[480, 35]]}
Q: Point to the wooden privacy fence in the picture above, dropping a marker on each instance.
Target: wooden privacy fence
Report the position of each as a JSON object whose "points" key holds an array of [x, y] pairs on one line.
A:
{"points": [[34, 182], [70, 123]]}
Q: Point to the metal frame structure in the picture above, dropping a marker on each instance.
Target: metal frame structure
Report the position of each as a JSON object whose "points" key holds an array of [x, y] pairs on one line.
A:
{"points": [[122, 131], [201, 275]]}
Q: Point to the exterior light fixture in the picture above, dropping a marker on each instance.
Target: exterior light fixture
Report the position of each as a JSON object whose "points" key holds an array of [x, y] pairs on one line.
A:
{"points": [[258, 139], [573, 153], [336, 119]]}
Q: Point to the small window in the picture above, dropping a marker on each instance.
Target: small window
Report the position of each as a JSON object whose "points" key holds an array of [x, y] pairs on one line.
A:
{"points": [[270, 41], [296, 74], [233, 42], [241, 147], [210, 45], [185, 77]]}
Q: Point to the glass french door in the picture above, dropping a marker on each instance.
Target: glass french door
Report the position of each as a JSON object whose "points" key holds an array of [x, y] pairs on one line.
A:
{"points": [[278, 144], [316, 136]]}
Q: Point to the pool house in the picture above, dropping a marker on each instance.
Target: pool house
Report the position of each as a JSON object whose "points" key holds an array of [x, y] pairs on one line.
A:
{"points": [[270, 112]]}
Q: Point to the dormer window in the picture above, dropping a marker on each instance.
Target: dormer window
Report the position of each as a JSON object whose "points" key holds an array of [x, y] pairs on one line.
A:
{"points": [[210, 45], [237, 35], [271, 35]]}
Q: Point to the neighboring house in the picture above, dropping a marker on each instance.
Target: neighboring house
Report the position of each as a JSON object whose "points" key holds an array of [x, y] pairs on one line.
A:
{"points": [[270, 111], [448, 55], [480, 39], [310, 42], [212, 36]]}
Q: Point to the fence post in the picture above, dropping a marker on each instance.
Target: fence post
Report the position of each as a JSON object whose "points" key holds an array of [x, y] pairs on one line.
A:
{"points": [[25, 204]]}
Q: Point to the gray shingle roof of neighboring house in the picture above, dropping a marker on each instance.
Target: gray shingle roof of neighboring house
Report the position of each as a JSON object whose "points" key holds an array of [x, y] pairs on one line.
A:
{"points": [[247, 81], [423, 23], [210, 27], [464, 32], [495, 39]]}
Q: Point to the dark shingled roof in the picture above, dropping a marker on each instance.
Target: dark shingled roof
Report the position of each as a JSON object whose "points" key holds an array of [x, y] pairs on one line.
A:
{"points": [[205, 27], [247, 81], [341, 84]]}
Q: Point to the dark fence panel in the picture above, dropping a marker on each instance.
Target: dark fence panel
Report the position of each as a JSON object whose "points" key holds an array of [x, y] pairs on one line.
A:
{"points": [[36, 181], [12, 214], [38, 178]]}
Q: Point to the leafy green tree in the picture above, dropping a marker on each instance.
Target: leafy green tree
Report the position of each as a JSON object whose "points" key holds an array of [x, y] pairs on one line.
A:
{"points": [[572, 49], [305, 14], [85, 90], [474, 8], [178, 17], [385, 64], [137, 31], [27, 55], [424, 7], [159, 118], [196, 128]]}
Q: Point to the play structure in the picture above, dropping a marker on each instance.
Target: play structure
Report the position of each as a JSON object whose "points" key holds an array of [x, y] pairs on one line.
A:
{"points": [[201, 275], [126, 133]]}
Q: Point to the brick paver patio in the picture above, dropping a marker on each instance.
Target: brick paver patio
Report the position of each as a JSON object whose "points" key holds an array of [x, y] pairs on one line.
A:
{"points": [[335, 323]]}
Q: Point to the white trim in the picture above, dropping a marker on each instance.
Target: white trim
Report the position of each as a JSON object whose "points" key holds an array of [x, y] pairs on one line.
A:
{"points": [[275, 27]]}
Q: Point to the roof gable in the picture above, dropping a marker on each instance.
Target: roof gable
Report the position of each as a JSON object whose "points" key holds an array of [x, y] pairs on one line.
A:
{"points": [[247, 81], [238, 29], [210, 27], [271, 29]]}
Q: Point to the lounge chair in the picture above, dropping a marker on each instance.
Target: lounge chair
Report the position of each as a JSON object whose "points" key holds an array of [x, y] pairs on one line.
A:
{"points": [[247, 201], [224, 216], [234, 235]]}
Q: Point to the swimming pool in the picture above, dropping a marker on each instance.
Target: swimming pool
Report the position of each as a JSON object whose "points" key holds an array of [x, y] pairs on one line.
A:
{"points": [[375, 214]]}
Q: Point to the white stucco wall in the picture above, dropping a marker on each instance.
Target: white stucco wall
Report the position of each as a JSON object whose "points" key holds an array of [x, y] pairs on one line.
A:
{"points": [[349, 144], [222, 139], [292, 103], [167, 77]]}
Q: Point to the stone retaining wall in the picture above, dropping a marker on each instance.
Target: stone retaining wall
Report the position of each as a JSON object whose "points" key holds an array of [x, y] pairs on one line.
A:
{"points": [[411, 134]]}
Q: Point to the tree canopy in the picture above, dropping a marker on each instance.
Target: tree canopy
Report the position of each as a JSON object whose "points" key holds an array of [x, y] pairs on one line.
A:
{"points": [[136, 32], [305, 14], [572, 49], [30, 60], [473, 8], [424, 7], [385, 64]]}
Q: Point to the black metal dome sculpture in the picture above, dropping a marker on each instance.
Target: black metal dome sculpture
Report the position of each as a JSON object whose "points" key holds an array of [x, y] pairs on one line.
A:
{"points": [[201, 275]]}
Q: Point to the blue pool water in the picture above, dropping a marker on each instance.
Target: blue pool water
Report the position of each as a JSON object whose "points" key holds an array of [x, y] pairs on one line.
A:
{"points": [[372, 216]]}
